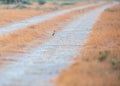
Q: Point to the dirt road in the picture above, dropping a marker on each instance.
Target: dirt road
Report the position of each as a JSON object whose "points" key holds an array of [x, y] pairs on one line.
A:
{"points": [[22, 24], [45, 62]]}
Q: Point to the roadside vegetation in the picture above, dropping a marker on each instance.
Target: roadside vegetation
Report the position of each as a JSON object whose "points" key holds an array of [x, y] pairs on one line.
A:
{"points": [[67, 2], [24, 11], [99, 62], [37, 4]]}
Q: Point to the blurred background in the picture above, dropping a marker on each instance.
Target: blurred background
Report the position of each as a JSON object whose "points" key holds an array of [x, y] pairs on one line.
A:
{"points": [[37, 4]]}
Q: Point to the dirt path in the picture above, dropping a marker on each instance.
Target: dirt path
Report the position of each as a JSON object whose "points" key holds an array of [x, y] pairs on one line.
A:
{"points": [[37, 19], [48, 60], [11, 15], [17, 41]]}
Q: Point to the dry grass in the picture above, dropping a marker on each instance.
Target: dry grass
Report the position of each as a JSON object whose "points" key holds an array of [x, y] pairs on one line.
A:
{"points": [[16, 41], [90, 70], [8, 16]]}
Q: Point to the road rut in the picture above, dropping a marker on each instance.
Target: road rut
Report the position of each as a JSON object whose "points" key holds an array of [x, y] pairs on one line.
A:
{"points": [[22, 24]]}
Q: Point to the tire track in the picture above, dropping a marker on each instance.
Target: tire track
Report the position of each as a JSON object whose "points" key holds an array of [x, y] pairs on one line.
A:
{"points": [[38, 19]]}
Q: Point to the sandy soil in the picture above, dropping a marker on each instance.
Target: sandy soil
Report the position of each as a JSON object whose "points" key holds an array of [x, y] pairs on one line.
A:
{"points": [[99, 62], [8, 16], [18, 40]]}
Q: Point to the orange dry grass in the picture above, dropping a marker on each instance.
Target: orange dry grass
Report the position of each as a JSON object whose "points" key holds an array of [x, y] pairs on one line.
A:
{"points": [[18, 40], [89, 70], [12, 15], [85, 73], [8, 16], [106, 35]]}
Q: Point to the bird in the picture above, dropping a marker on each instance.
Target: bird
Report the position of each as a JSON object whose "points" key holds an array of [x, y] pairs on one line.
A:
{"points": [[53, 33]]}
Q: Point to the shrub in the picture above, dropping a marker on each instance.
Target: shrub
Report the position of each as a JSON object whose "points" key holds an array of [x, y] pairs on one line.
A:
{"points": [[15, 1], [67, 3], [19, 7], [103, 56], [115, 64], [26, 2], [7, 1], [41, 2]]}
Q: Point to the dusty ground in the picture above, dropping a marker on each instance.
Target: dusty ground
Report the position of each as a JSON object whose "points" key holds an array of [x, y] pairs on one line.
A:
{"points": [[15, 42], [99, 62], [12, 15]]}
